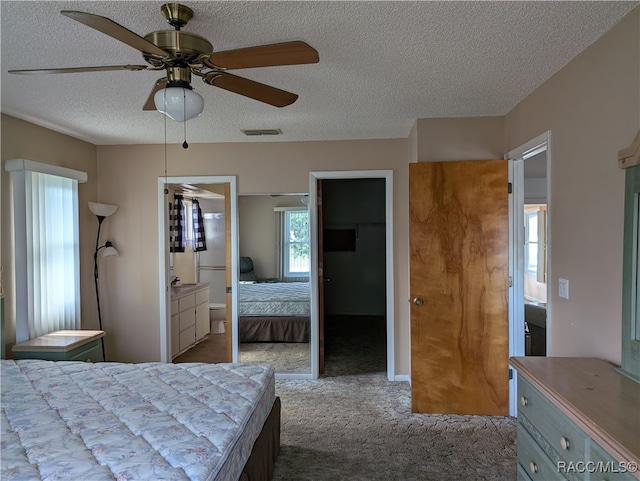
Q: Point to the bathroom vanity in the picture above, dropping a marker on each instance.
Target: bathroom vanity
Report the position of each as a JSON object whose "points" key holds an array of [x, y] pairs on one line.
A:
{"points": [[189, 316]]}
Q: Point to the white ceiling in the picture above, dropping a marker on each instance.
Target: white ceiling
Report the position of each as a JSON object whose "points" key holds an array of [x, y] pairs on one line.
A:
{"points": [[382, 64]]}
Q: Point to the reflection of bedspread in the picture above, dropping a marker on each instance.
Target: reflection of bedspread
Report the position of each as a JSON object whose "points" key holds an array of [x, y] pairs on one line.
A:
{"points": [[76, 420], [274, 329], [274, 299]]}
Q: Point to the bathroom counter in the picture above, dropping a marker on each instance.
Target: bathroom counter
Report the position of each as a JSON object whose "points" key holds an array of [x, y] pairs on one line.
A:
{"points": [[182, 290]]}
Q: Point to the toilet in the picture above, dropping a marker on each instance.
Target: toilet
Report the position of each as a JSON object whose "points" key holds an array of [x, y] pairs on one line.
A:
{"points": [[217, 316]]}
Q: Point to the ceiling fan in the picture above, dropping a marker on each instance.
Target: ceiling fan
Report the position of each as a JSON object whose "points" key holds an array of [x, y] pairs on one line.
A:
{"points": [[182, 54]]}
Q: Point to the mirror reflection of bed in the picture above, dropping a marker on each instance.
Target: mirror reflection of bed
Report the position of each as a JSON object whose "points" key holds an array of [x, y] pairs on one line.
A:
{"points": [[273, 292]]}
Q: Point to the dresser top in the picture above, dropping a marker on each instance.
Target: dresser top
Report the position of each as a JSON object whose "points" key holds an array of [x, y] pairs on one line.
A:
{"points": [[58, 341], [591, 392]]}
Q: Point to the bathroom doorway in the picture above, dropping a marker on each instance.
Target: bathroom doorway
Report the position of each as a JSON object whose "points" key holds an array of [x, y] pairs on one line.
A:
{"points": [[184, 272]]}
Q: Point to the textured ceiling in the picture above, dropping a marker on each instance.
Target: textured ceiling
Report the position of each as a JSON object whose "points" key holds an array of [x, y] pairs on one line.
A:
{"points": [[382, 65]]}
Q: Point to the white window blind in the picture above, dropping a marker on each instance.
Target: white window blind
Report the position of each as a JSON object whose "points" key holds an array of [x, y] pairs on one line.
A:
{"points": [[47, 247]]}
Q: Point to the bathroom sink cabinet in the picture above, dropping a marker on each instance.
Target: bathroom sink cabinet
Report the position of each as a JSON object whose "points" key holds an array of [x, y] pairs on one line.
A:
{"points": [[189, 317]]}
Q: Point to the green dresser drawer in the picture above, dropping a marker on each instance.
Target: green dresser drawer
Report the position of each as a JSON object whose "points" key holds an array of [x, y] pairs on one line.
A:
{"points": [[558, 436], [533, 460], [522, 474], [602, 467], [91, 352]]}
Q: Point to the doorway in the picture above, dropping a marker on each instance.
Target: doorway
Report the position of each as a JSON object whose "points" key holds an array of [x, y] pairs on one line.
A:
{"points": [[529, 252], [167, 337], [342, 240], [353, 252]]}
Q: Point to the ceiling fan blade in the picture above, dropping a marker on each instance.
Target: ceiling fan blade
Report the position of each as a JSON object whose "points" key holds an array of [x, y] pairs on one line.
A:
{"points": [[252, 89], [115, 30], [102, 68], [288, 53], [159, 85]]}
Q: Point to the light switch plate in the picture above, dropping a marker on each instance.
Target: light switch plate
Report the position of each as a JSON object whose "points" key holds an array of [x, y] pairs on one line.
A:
{"points": [[563, 288]]}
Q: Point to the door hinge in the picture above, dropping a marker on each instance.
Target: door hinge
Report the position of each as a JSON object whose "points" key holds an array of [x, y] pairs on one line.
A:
{"points": [[510, 373], [228, 290], [510, 281], [510, 188]]}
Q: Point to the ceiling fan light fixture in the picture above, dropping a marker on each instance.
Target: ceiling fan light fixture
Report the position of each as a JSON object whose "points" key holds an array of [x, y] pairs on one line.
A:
{"points": [[179, 103]]}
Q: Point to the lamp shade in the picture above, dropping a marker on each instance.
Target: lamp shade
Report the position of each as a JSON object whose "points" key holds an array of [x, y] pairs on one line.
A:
{"points": [[110, 251], [102, 210], [179, 103]]}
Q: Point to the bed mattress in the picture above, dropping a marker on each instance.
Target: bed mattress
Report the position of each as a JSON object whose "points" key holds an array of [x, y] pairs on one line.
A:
{"points": [[274, 299], [151, 421]]}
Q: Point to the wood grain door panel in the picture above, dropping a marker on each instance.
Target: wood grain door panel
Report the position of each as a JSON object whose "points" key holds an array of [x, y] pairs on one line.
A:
{"points": [[459, 269]]}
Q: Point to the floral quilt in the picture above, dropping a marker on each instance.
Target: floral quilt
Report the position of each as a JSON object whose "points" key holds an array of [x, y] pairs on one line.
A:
{"points": [[152, 421]]}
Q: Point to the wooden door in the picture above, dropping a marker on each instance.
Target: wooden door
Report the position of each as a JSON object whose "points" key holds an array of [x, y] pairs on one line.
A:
{"points": [[320, 279], [458, 239], [228, 265]]}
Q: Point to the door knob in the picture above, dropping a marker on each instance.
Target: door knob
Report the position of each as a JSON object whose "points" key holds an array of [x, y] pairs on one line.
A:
{"points": [[418, 301]]}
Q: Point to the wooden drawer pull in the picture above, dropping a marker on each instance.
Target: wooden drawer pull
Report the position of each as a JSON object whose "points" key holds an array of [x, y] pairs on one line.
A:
{"points": [[523, 401], [564, 443], [533, 467]]}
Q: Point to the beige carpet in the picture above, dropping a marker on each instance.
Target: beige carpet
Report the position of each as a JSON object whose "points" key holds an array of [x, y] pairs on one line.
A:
{"points": [[294, 357], [361, 427], [354, 425]]}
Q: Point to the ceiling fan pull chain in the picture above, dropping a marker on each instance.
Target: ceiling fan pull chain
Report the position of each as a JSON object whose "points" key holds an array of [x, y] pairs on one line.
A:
{"points": [[166, 180], [184, 108]]}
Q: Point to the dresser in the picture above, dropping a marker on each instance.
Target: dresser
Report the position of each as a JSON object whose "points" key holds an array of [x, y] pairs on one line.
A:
{"points": [[578, 420], [69, 345]]}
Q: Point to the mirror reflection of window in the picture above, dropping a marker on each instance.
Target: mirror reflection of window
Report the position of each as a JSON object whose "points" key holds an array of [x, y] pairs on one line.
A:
{"points": [[296, 243], [531, 241], [535, 242]]}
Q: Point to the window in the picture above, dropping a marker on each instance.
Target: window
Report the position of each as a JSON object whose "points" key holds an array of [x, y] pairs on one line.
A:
{"points": [[47, 253], [531, 242], [296, 249], [535, 242]]}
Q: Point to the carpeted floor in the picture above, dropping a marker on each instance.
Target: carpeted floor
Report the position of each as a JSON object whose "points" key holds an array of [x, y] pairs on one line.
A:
{"points": [[354, 425]]}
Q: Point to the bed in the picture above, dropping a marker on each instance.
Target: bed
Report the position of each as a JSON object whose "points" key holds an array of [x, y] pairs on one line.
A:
{"points": [[274, 312], [151, 421]]}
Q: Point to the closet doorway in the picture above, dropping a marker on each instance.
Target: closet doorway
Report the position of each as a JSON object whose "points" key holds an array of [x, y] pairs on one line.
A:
{"points": [[337, 240]]}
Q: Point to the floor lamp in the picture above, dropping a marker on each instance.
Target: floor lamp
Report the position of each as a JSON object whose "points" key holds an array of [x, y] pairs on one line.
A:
{"points": [[102, 211]]}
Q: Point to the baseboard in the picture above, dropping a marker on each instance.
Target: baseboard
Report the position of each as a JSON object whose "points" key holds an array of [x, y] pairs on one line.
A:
{"points": [[403, 378]]}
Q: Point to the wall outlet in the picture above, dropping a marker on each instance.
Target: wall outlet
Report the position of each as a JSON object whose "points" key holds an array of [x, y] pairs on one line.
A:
{"points": [[563, 288]]}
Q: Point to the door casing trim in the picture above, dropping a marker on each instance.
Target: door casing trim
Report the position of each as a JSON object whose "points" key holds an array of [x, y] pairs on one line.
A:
{"points": [[163, 257], [516, 157], [389, 264]]}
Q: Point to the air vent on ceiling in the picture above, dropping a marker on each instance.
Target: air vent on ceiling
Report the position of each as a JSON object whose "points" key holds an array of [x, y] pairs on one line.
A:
{"points": [[262, 132]]}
